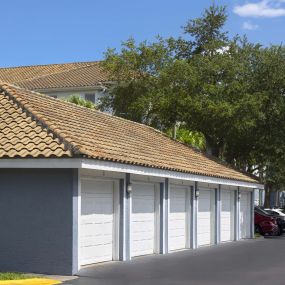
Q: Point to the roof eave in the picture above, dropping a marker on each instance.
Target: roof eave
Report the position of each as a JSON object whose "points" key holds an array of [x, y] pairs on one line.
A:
{"points": [[85, 163]]}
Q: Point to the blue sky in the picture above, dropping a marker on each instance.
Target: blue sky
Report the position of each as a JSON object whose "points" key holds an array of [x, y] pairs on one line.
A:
{"points": [[57, 31]]}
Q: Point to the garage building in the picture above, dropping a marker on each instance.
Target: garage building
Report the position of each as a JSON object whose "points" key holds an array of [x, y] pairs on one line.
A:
{"points": [[80, 187]]}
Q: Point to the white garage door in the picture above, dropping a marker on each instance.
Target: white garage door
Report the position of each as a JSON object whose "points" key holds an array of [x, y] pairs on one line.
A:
{"points": [[177, 218], [204, 219], [245, 215], [227, 215], [142, 220], [96, 223]]}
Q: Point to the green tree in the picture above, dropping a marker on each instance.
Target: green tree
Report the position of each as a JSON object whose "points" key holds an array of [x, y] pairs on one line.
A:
{"points": [[155, 82], [81, 102], [206, 34], [190, 138], [229, 90], [269, 81], [136, 69]]}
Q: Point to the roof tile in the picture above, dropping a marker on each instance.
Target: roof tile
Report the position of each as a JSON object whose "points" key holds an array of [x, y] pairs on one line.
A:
{"points": [[35, 125], [68, 75], [20, 136]]}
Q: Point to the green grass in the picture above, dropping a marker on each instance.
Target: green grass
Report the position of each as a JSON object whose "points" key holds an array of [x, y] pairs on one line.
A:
{"points": [[13, 276]]}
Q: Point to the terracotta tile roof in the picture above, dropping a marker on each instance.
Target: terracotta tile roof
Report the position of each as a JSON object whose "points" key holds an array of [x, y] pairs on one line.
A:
{"points": [[68, 75], [20, 136], [35, 125]]}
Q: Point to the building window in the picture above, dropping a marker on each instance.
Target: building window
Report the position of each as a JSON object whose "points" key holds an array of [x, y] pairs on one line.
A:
{"points": [[90, 97]]}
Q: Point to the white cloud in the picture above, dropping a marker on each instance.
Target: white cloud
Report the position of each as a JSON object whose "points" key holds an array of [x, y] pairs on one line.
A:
{"points": [[249, 26], [264, 8]]}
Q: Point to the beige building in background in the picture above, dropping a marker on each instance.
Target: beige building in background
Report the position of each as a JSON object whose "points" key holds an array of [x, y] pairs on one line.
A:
{"points": [[84, 79]]}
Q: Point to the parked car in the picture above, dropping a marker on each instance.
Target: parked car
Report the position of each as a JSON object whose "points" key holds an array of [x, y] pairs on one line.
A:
{"points": [[265, 224], [278, 211], [280, 216]]}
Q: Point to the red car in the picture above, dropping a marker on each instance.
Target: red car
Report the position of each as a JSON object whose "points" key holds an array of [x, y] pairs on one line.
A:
{"points": [[264, 223]]}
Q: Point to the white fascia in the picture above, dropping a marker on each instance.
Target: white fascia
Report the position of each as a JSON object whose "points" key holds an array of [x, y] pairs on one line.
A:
{"points": [[118, 167], [40, 163]]}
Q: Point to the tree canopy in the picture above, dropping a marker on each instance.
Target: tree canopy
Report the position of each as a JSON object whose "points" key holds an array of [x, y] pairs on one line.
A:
{"points": [[228, 90]]}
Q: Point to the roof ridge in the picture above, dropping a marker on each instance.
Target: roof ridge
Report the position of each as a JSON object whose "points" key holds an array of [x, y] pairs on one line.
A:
{"points": [[50, 64], [6, 88], [54, 73]]}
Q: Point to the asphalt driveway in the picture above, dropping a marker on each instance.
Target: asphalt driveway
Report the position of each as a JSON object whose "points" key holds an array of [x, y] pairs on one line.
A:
{"points": [[260, 261]]}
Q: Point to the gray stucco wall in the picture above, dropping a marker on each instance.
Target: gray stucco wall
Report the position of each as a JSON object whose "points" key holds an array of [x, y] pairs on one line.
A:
{"points": [[36, 220]]}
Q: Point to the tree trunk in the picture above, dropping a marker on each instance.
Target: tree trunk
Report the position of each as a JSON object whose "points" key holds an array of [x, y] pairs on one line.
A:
{"points": [[267, 196], [208, 148], [212, 149], [175, 131], [221, 151]]}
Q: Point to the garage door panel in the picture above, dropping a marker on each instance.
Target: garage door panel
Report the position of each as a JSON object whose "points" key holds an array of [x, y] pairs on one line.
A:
{"points": [[203, 239], [143, 219], [177, 218], [226, 207], [102, 252], [177, 225], [204, 207], [100, 216], [101, 188], [177, 242], [204, 216], [204, 201], [178, 208], [225, 221], [142, 232], [204, 226], [103, 204], [178, 233], [142, 205], [92, 209], [245, 215], [100, 193], [96, 221], [97, 240], [143, 191], [142, 247], [96, 229], [227, 215]]}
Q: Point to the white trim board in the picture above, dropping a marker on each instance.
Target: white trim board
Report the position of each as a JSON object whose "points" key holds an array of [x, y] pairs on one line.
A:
{"points": [[40, 163], [141, 170], [118, 167]]}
